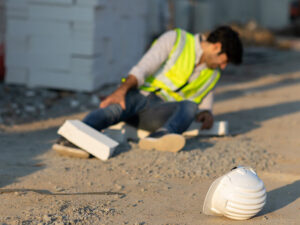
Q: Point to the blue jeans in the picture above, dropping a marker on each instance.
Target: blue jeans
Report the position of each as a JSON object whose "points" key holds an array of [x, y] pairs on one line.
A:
{"points": [[145, 112]]}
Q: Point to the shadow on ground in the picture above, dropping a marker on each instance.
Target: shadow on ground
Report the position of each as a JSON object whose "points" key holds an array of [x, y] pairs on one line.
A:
{"points": [[250, 119], [20, 151], [281, 197]]}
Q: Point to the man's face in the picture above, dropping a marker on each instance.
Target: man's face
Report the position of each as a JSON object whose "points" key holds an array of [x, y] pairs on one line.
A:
{"points": [[214, 59]]}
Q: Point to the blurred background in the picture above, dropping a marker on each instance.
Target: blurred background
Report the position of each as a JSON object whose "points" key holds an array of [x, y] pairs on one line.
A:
{"points": [[82, 45]]}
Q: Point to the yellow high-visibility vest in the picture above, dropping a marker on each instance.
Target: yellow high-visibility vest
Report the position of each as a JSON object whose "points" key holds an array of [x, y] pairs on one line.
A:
{"points": [[173, 80]]}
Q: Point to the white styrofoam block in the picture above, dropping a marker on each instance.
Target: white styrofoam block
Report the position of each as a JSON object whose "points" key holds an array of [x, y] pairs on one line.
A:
{"points": [[61, 80], [220, 128], [49, 61], [16, 9], [16, 5], [88, 47], [15, 75], [66, 13], [17, 27], [94, 3], [14, 59], [88, 139], [52, 2], [48, 45], [86, 62], [87, 65], [65, 45], [16, 44], [100, 27], [16, 14], [49, 28]]}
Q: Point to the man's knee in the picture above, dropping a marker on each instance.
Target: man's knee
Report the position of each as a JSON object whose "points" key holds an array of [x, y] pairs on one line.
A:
{"points": [[188, 106]]}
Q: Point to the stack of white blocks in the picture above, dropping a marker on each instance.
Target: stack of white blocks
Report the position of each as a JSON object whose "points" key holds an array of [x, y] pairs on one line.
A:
{"points": [[73, 44], [2, 19]]}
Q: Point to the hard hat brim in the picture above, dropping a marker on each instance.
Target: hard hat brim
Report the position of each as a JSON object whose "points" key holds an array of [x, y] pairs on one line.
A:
{"points": [[208, 207]]}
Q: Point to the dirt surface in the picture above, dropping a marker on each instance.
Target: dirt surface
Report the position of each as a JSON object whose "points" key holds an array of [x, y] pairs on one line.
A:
{"points": [[261, 102]]}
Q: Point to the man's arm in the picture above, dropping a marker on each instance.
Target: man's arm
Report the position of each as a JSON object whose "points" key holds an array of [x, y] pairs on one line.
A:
{"points": [[118, 96], [150, 62]]}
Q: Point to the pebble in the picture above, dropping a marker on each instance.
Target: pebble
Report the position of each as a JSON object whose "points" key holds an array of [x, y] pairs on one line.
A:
{"points": [[74, 103], [46, 218], [30, 109], [95, 100]]}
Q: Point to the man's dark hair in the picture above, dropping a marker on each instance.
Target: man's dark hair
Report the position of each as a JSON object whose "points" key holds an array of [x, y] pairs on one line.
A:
{"points": [[231, 43]]}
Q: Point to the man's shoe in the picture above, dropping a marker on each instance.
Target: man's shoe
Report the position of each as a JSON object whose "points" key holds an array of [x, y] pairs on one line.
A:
{"points": [[65, 148], [163, 141]]}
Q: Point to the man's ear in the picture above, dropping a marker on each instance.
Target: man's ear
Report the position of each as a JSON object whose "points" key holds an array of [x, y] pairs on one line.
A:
{"points": [[217, 47]]}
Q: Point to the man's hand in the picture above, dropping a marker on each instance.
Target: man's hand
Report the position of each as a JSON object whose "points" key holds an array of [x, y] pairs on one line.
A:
{"points": [[117, 97], [207, 119]]}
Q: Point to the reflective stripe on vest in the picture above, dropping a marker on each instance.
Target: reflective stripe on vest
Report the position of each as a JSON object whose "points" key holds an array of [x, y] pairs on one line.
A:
{"points": [[174, 74]]}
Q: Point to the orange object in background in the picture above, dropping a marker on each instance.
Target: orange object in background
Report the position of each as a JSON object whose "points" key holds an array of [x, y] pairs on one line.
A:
{"points": [[2, 67]]}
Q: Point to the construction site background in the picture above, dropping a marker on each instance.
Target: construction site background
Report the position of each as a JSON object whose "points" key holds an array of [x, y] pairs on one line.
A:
{"points": [[90, 44]]}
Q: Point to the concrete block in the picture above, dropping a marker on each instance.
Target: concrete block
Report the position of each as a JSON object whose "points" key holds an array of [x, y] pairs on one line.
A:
{"points": [[16, 14], [49, 29], [17, 27], [87, 64], [101, 27], [93, 3], [20, 5], [220, 128], [15, 59], [16, 44], [88, 139], [87, 47], [66, 13], [16, 9], [52, 46], [15, 75], [49, 61], [65, 45], [52, 2]]}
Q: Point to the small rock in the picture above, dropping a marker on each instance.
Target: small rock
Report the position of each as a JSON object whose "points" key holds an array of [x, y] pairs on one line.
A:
{"points": [[74, 103], [46, 218], [95, 100], [30, 108], [30, 93]]}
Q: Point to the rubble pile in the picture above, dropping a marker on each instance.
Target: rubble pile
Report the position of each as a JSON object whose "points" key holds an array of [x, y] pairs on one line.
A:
{"points": [[19, 104]]}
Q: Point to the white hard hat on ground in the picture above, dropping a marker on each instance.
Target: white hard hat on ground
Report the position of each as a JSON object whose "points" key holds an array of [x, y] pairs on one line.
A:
{"points": [[239, 194]]}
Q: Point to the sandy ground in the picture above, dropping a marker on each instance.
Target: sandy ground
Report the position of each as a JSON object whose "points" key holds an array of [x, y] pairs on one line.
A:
{"points": [[261, 102]]}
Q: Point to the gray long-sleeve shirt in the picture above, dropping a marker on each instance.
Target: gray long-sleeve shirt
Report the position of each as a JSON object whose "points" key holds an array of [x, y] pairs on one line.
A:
{"points": [[158, 53]]}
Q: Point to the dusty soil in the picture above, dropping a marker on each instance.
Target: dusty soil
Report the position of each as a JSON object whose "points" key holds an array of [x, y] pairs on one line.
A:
{"points": [[261, 102]]}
